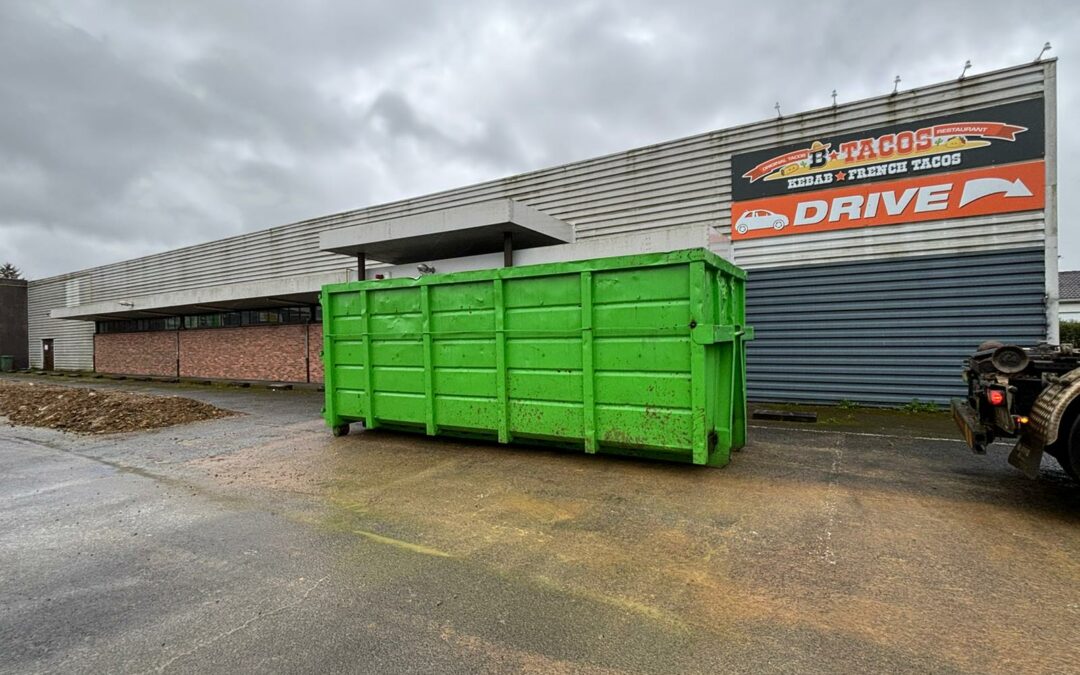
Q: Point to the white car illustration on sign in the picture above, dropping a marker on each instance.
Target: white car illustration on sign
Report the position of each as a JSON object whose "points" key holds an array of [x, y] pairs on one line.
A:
{"points": [[760, 219]]}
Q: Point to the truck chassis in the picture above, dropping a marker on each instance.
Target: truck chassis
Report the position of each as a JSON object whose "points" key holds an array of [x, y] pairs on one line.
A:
{"points": [[1030, 394]]}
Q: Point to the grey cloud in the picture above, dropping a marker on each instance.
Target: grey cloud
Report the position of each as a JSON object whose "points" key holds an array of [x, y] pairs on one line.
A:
{"points": [[132, 127], [393, 115]]}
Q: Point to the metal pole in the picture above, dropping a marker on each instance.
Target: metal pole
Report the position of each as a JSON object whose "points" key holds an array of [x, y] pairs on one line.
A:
{"points": [[361, 266], [508, 249]]}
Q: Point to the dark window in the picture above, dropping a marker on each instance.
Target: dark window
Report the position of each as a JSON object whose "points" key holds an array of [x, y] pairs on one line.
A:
{"points": [[138, 325], [244, 317]]}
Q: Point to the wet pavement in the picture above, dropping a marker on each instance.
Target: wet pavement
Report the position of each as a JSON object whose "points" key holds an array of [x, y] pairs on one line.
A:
{"points": [[866, 542]]}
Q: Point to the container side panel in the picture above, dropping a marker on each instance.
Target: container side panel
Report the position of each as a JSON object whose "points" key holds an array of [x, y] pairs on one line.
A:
{"points": [[347, 351], [462, 297], [546, 385], [467, 412], [465, 382], [670, 390], [347, 325], [462, 321], [350, 377], [543, 356], [396, 353], [464, 353], [641, 358], [396, 325], [667, 429], [544, 353], [345, 304], [546, 419], [394, 301], [644, 316], [658, 354], [540, 321], [400, 379], [635, 285], [551, 291], [349, 403], [399, 407]]}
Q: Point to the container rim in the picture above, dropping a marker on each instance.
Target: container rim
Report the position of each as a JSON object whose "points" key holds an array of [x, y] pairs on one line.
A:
{"points": [[550, 269]]}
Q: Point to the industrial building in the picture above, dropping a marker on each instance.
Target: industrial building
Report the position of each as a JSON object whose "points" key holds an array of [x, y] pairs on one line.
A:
{"points": [[13, 333], [884, 240]]}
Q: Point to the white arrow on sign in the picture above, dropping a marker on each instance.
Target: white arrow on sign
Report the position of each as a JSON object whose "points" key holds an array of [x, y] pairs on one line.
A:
{"points": [[978, 188]]}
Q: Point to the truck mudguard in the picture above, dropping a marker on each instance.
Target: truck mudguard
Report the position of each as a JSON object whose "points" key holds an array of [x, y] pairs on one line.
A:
{"points": [[1045, 422]]}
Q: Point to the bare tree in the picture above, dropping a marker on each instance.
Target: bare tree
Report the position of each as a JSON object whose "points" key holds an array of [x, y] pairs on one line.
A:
{"points": [[9, 271]]}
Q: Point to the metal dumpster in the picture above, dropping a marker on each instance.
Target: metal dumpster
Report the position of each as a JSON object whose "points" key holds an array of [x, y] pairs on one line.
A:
{"points": [[637, 355]]}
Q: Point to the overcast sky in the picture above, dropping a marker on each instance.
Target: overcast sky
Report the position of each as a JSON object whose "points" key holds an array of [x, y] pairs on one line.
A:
{"points": [[128, 128]]}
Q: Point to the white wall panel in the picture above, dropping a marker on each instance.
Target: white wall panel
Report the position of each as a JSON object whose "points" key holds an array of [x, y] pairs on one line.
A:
{"points": [[73, 346]]}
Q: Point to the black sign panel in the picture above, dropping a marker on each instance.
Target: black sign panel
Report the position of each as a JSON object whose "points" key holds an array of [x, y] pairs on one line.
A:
{"points": [[1000, 134]]}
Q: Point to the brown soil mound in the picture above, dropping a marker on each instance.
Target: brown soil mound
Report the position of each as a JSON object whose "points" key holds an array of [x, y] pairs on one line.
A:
{"points": [[94, 411]]}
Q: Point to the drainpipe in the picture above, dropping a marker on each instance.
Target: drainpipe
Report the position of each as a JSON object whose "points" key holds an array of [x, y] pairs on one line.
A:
{"points": [[307, 347], [178, 327]]}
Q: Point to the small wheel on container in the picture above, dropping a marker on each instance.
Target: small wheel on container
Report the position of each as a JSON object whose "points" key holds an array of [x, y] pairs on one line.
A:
{"points": [[341, 430]]}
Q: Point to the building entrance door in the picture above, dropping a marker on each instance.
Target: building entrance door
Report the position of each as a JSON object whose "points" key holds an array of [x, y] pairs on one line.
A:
{"points": [[47, 354]]}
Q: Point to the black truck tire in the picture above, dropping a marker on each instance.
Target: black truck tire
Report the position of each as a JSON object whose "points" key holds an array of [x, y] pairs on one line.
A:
{"points": [[1066, 450]]}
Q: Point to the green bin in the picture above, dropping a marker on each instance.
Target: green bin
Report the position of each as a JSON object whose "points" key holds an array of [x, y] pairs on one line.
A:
{"points": [[639, 355], [7, 364]]}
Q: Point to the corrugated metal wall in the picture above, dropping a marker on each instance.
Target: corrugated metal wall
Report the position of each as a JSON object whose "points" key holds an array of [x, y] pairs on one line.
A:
{"points": [[73, 346], [887, 331], [681, 182]]}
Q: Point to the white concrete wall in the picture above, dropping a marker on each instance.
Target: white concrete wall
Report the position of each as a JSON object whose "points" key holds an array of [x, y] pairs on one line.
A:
{"points": [[1069, 310]]}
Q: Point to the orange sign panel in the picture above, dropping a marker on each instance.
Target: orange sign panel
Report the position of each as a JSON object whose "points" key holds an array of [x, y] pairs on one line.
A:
{"points": [[977, 192]]}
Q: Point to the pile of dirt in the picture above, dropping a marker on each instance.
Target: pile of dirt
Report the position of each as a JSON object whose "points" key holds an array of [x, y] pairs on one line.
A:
{"points": [[94, 411]]}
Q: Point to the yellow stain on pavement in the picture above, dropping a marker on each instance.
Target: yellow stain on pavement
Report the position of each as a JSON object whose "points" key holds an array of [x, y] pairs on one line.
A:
{"points": [[408, 546]]}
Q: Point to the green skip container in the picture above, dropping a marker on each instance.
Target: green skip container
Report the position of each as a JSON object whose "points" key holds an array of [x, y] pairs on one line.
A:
{"points": [[640, 355]]}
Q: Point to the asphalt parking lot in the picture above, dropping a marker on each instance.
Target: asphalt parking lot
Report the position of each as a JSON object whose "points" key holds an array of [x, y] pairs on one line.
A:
{"points": [[867, 542]]}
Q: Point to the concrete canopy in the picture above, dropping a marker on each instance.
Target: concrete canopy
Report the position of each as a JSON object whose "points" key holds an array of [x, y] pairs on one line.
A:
{"points": [[449, 233], [272, 293], [304, 289]]}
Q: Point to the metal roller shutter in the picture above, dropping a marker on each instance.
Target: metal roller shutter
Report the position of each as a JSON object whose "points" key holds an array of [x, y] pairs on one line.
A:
{"points": [[887, 331]]}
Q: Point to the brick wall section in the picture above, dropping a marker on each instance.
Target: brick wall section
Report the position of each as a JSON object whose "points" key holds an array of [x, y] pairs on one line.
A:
{"points": [[274, 353], [136, 353], [315, 345]]}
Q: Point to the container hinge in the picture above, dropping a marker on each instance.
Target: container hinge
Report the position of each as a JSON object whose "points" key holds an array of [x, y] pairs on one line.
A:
{"points": [[711, 333]]}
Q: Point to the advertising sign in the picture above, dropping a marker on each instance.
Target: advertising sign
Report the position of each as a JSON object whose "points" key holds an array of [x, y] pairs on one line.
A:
{"points": [[995, 189], [1002, 134]]}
